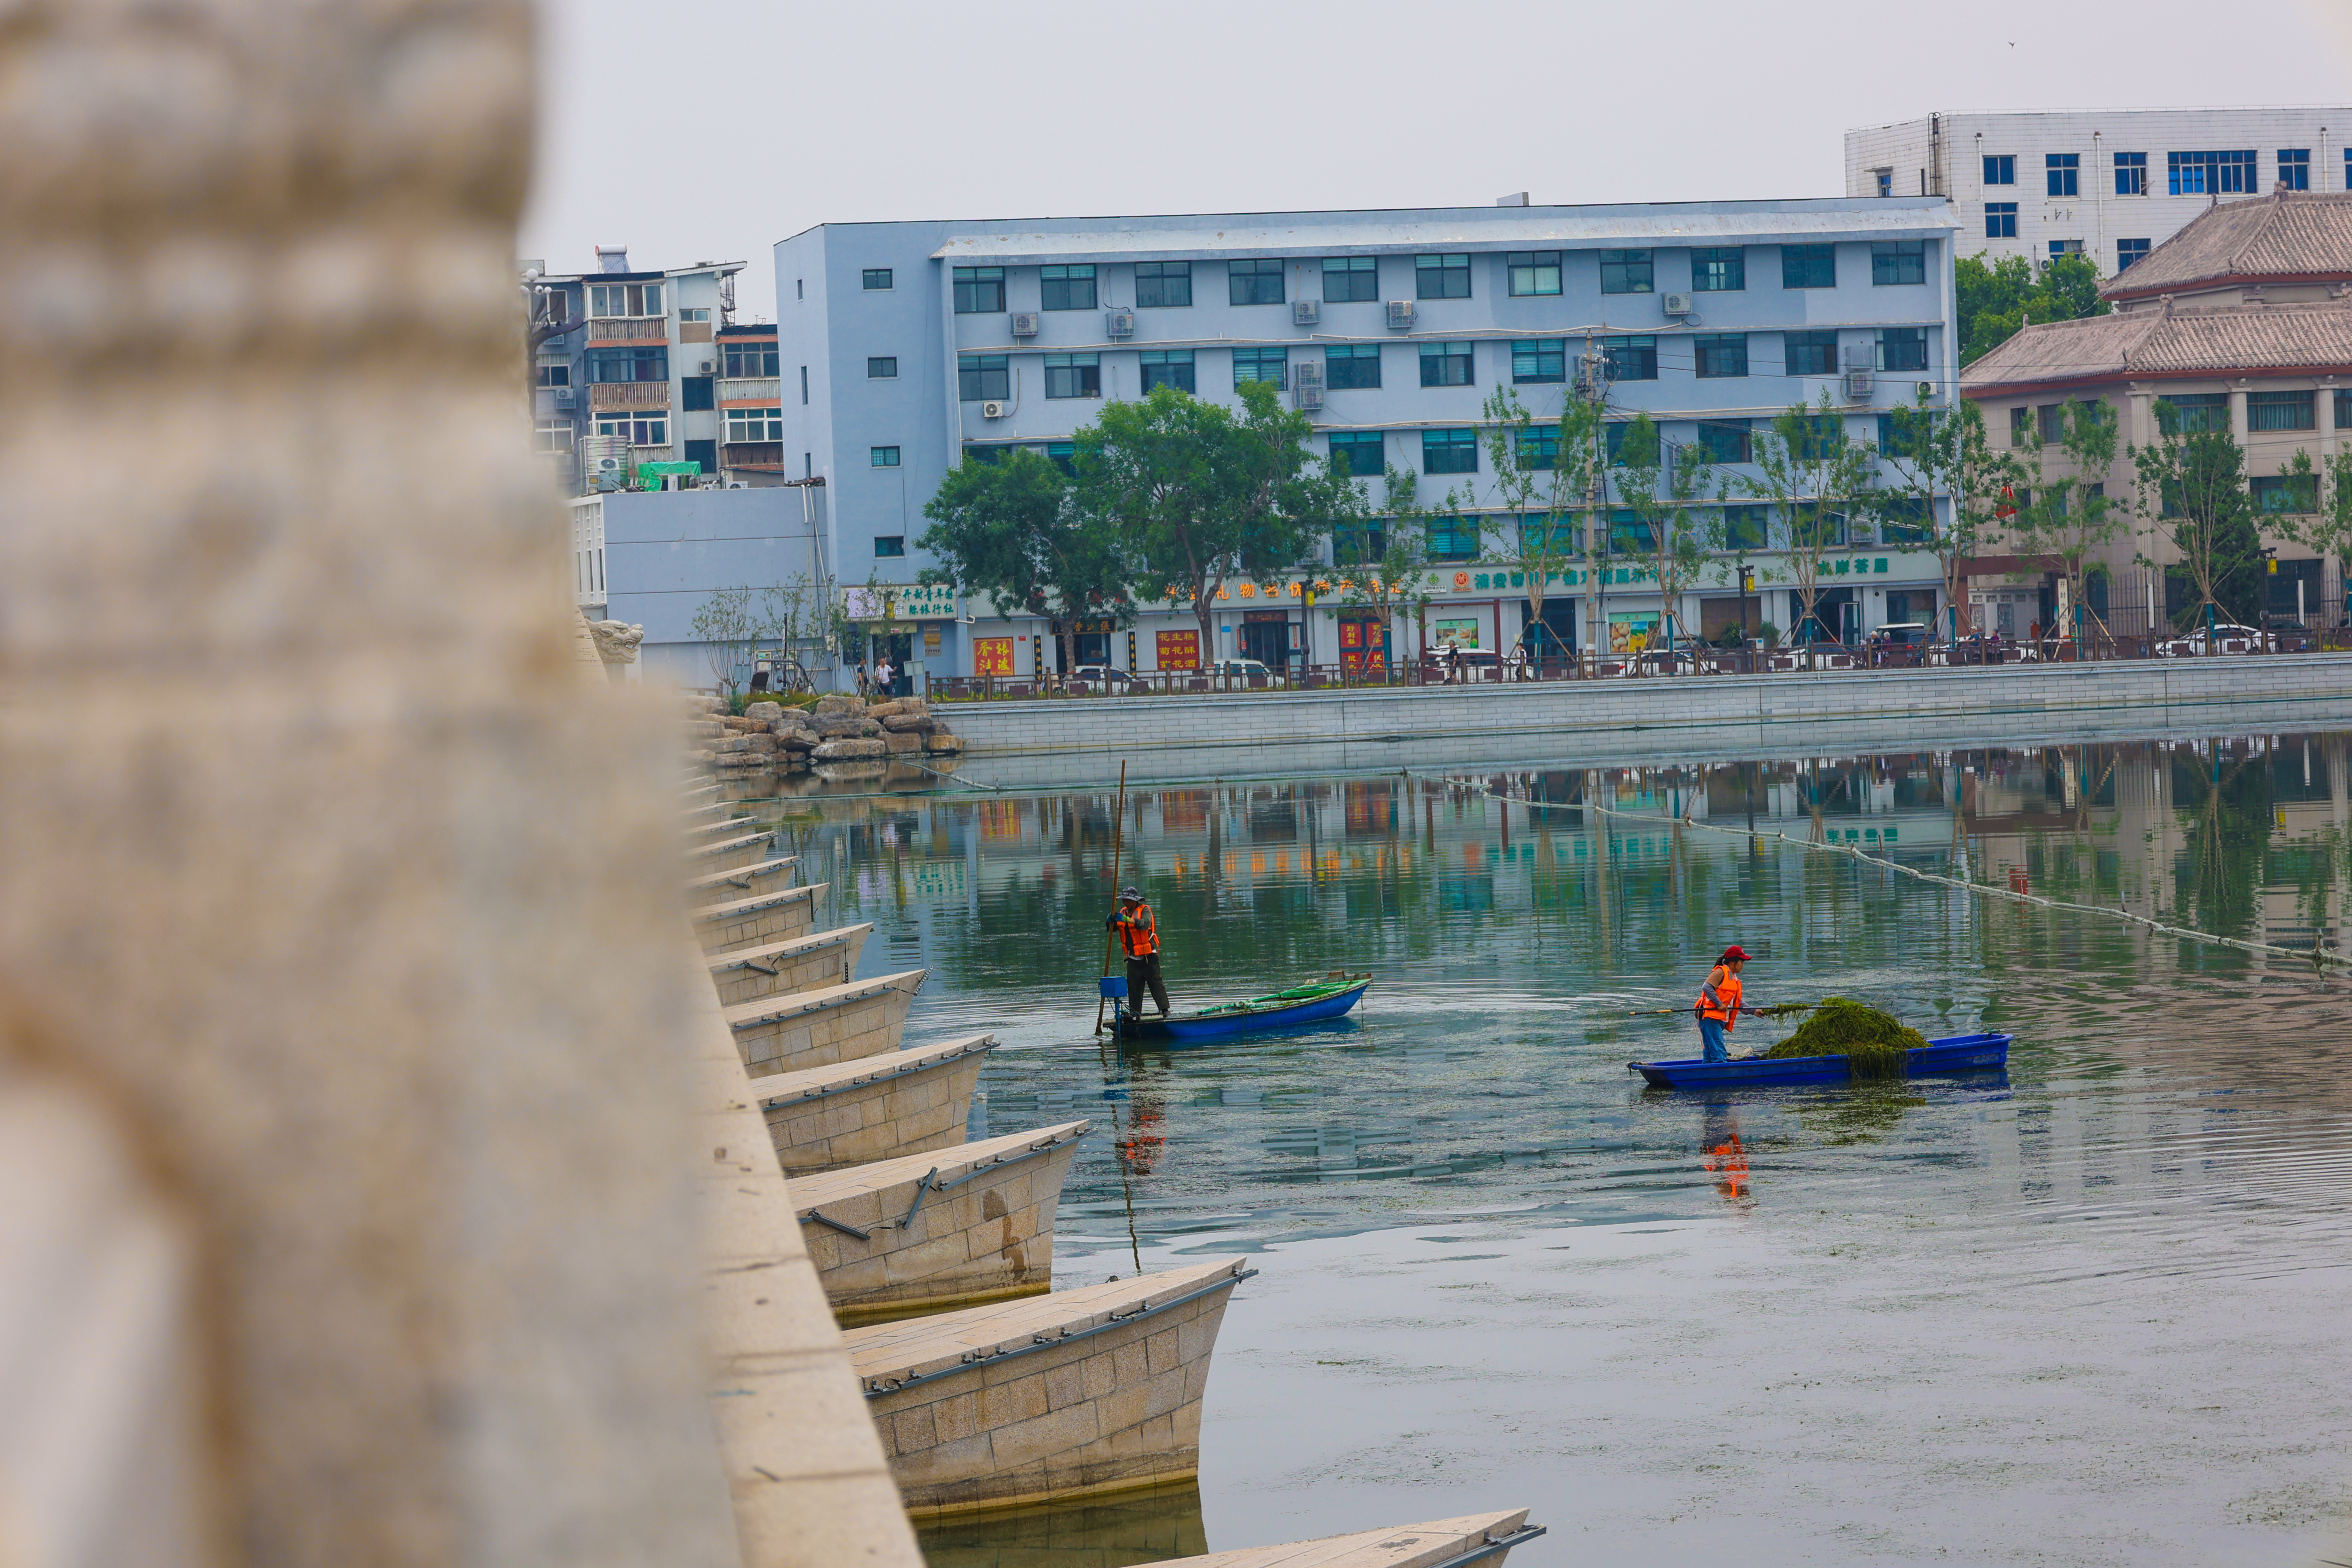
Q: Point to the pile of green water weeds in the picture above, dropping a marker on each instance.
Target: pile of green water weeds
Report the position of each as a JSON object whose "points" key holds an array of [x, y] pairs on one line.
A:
{"points": [[1873, 1044]]}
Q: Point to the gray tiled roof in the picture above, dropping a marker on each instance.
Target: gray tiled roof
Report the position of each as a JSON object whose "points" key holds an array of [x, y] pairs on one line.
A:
{"points": [[2301, 235], [2238, 340]]}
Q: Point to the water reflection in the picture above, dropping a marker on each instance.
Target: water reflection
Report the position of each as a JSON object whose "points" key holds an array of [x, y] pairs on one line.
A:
{"points": [[1146, 1526], [2162, 1167]]}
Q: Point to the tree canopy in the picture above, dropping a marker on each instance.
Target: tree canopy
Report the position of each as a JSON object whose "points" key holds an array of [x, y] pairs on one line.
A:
{"points": [[1995, 301]]}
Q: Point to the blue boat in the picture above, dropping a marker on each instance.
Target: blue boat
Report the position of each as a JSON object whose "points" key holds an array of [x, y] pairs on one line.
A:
{"points": [[1954, 1054], [1308, 1003]]}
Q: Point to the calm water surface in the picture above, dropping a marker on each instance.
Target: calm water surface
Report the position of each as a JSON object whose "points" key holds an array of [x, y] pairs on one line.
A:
{"points": [[2090, 1312]]}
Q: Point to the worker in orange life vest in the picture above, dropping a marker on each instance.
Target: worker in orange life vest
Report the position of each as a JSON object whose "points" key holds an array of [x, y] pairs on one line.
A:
{"points": [[1718, 1004], [1138, 936]]}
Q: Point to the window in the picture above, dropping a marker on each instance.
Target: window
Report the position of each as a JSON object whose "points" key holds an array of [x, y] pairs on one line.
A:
{"points": [[2282, 493], [1062, 455], [1350, 278], [1743, 527], [1453, 538], [984, 378], [1268, 363], [1074, 375], [890, 544], [1722, 269], [649, 426], [1355, 366], [704, 455], [1361, 452], [1359, 546], [2131, 174], [804, 386], [1809, 267], [882, 457], [1632, 359], [1540, 360], [1169, 367], [1625, 272], [1533, 271], [2194, 413], [1449, 451], [2059, 247], [1629, 535], [1999, 169], [2000, 220], [1904, 519], [2294, 168], [884, 368], [1885, 180], [698, 316], [979, 291], [1542, 533], [1163, 285], [628, 365], [1440, 276], [694, 394], [1725, 440], [1538, 447], [2050, 419], [552, 436], [739, 359], [2129, 251], [755, 425], [2280, 411], [1902, 348], [1819, 435], [555, 373], [624, 299], [2210, 173], [1719, 353], [1446, 364], [1810, 354], [1066, 288], [2021, 421], [2063, 173], [1253, 282], [1898, 261], [2343, 409], [877, 278]]}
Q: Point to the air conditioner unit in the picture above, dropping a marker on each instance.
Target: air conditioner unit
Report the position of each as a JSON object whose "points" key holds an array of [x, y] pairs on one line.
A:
{"points": [[1677, 304], [704, 368], [1305, 312], [1025, 323], [565, 396], [1926, 389], [1859, 385], [1310, 394], [992, 411], [1115, 323], [1399, 313]]}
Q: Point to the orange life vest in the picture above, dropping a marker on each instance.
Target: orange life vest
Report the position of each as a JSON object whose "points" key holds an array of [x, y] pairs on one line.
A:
{"points": [[1139, 933], [1726, 990]]}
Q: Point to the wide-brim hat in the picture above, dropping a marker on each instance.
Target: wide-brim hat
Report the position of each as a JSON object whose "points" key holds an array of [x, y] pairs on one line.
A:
{"points": [[1127, 894]]}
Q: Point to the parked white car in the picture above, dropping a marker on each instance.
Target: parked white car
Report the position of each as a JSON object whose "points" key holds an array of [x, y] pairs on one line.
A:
{"points": [[1241, 671], [2227, 639]]}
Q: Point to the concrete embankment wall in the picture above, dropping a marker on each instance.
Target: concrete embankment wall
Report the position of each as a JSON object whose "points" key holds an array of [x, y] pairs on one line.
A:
{"points": [[1689, 717]]}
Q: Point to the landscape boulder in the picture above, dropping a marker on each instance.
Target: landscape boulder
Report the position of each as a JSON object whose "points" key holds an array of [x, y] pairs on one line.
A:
{"points": [[845, 726], [918, 722], [898, 740], [942, 745], [844, 750], [840, 702]]}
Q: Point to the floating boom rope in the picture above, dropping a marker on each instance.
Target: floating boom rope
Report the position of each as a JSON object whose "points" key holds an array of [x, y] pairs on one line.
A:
{"points": [[1983, 890]]}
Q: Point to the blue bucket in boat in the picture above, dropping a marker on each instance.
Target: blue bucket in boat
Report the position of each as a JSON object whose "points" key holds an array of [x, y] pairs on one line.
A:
{"points": [[1115, 987]]}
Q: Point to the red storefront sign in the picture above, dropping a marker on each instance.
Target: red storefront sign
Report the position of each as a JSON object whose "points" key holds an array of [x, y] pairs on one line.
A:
{"points": [[1180, 650]]}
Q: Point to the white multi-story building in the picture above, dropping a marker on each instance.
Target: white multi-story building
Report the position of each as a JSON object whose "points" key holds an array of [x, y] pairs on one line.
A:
{"points": [[2108, 184]]}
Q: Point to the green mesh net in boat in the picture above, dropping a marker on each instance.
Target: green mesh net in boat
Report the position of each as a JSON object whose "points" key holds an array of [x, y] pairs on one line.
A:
{"points": [[1306, 992], [1873, 1044]]}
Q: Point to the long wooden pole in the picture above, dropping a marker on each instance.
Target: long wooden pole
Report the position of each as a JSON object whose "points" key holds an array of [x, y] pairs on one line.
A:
{"points": [[1110, 938]]}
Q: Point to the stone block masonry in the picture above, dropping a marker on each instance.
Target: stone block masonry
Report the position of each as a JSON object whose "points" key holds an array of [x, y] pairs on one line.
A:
{"points": [[872, 1109], [1089, 1390], [800, 1030], [797, 963], [744, 881], [727, 855], [761, 917], [946, 1229], [1590, 723]]}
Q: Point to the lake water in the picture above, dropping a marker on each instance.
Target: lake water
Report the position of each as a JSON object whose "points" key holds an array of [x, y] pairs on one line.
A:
{"points": [[2093, 1311]]}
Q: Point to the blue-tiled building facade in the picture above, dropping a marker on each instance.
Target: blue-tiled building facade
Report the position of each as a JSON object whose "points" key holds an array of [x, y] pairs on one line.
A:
{"points": [[905, 346]]}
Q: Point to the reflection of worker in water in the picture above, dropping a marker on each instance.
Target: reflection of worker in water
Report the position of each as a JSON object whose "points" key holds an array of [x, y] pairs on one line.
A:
{"points": [[1722, 1154]]}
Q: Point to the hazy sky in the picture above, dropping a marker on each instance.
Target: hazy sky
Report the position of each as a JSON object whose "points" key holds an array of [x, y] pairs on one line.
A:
{"points": [[708, 130]]}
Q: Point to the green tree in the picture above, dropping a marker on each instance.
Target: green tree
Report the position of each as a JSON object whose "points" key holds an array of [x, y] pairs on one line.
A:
{"points": [[2326, 528], [1009, 529], [2189, 487], [1381, 559], [1936, 452], [728, 625], [1543, 478], [2070, 514], [1203, 496], [1818, 481], [1994, 301], [1657, 483]]}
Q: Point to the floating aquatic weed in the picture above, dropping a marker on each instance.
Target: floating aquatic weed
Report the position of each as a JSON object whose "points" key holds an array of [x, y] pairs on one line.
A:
{"points": [[1873, 1044]]}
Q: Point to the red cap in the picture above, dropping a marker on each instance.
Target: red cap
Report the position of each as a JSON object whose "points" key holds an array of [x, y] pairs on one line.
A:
{"points": [[1733, 955]]}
